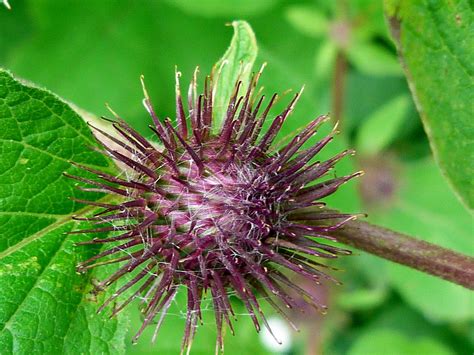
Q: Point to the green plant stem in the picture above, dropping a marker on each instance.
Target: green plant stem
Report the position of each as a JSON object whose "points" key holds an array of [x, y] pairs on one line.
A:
{"points": [[403, 249]]}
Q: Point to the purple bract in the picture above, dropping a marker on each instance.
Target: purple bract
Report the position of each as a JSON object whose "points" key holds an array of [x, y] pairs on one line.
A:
{"points": [[218, 211]]}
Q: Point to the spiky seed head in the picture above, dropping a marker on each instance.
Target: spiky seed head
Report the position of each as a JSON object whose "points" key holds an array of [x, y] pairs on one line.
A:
{"points": [[217, 210]]}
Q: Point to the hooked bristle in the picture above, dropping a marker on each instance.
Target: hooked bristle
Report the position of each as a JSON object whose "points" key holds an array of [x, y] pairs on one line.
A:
{"points": [[222, 212]]}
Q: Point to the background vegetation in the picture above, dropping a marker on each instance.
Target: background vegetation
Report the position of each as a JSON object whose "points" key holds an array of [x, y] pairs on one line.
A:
{"points": [[92, 52]]}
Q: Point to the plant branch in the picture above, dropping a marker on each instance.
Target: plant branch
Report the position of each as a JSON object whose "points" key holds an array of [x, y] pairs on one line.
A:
{"points": [[403, 249], [340, 34], [340, 68]]}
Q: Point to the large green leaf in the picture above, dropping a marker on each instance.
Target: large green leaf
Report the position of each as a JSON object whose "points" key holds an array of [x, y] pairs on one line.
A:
{"points": [[43, 306], [236, 64], [434, 40]]}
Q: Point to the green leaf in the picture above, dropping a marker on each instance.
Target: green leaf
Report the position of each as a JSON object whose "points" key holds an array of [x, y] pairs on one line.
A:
{"points": [[236, 64], [434, 40], [394, 343], [362, 299], [425, 207], [373, 59], [43, 308], [90, 333], [380, 128], [308, 20], [324, 60]]}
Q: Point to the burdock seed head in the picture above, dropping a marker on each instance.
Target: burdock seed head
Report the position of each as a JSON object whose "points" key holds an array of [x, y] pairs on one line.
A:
{"points": [[218, 210]]}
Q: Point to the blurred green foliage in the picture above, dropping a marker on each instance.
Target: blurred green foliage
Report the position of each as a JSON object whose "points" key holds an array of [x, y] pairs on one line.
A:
{"points": [[92, 52]]}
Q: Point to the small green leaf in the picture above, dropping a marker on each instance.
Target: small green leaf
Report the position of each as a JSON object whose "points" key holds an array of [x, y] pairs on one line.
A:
{"points": [[43, 307], [324, 60], [308, 20], [380, 128], [373, 59], [434, 40], [384, 341], [236, 64], [363, 299]]}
